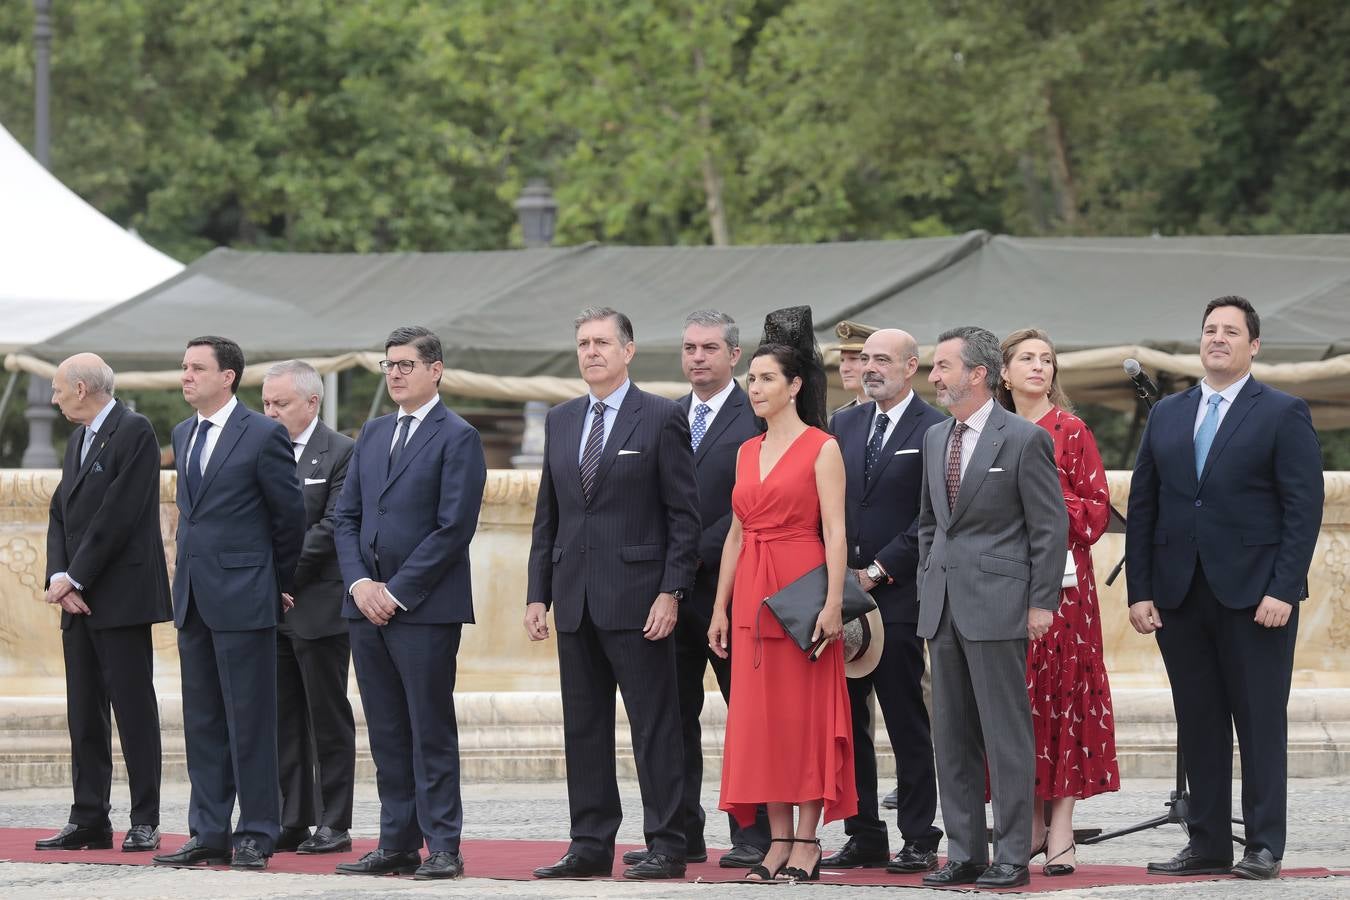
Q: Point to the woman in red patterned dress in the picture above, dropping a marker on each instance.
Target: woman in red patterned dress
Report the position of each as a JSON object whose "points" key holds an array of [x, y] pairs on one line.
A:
{"points": [[1066, 676], [789, 728]]}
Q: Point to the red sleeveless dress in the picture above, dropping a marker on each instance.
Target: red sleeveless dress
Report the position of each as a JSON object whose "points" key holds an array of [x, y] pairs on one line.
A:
{"points": [[789, 730]]}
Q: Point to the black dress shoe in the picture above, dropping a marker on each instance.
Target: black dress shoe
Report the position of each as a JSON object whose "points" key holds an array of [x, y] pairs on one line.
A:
{"points": [[854, 856], [248, 855], [140, 839], [891, 800], [656, 866], [440, 864], [573, 866], [1189, 862], [1004, 875], [633, 857], [193, 853], [955, 873], [1257, 865], [741, 856], [382, 862], [77, 837], [290, 839], [326, 840], [912, 859]]}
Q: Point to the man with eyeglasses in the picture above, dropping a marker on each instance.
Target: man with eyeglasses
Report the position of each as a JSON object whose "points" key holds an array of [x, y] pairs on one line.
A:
{"points": [[407, 514]]}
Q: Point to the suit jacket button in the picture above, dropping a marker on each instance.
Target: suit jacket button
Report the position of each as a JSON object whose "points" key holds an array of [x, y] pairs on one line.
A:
{"points": [[1199, 503], [863, 504], [381, 510], [583, 549]]}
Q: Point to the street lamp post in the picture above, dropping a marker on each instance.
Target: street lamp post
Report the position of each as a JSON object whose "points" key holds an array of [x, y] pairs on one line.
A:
{"points": [[538, 212], [40, 415]]}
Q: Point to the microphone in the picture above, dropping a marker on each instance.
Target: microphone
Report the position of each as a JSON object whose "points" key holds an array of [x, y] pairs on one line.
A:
{"points": [[1148, 391]]}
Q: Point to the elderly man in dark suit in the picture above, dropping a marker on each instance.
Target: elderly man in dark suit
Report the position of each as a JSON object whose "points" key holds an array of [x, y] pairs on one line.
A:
{"points": [[315, 728], [993, 534], [613, 554], [1225, 506], [882, 446], [404, 523], [106, 570], [241, 521], [720, 420]]}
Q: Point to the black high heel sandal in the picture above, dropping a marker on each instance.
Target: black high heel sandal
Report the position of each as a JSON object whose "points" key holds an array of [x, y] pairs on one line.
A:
{"points": [[793, 873], [1043, 848], [1053, 868], [760, 874]]}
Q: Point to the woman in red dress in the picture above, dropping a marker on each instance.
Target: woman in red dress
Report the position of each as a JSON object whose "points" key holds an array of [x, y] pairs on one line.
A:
{"points": [[1066, 677], [788, 737]]}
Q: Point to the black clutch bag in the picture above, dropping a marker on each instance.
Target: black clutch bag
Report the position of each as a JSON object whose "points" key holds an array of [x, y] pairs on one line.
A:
{"points": [[797, 605]]}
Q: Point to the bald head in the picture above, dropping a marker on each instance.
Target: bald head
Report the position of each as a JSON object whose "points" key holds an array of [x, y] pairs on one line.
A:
{"points": [[83, 385], [889, 360]]}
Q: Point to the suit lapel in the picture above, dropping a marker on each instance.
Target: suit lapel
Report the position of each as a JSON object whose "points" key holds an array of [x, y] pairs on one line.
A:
{"points": [[855, 450], [936, 460], [96, 449], [630, 413], [735, 400], [1242, 404], [311, 460], [229, 436], [903, 429], [425, 431], [565, 445], [1184, 435], [986, 448]]}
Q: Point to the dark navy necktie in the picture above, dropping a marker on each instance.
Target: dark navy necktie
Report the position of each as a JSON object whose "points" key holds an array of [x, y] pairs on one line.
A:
{"points": [[396, 451], [874, 446], [194, 463]]}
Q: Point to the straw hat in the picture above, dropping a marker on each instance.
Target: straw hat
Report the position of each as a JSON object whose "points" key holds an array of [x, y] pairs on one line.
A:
{"points": [[864, 639]]}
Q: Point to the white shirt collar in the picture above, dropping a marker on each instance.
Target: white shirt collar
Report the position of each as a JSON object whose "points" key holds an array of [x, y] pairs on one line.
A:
{"points": [[308, 433], [421, 412], [615, 400], [716, 401], [97, 425], [976, 420], [221, 417], [1229, 393], [895, 413]]}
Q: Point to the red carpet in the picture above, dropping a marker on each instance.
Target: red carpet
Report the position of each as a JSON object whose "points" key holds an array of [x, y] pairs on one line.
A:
{"points": [[515, 860]]}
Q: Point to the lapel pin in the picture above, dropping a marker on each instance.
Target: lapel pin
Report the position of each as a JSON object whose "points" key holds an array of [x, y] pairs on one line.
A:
{"points": [[313, 462]]}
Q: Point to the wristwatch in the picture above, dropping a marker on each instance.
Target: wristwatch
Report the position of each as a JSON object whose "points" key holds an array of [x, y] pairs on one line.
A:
{"points": [[678, 594], [874, 572]]}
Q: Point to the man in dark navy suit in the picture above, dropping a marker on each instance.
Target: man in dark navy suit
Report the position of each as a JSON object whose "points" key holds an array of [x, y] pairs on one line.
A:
{"points": [[720, 420], [241, 521], [1225, 506], [882, 445], [106, 570], [613, 554], [316, 733], [404, 523]]}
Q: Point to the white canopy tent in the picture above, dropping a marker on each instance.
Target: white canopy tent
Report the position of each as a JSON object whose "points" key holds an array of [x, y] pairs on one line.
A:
{"points": [[61, 260]]}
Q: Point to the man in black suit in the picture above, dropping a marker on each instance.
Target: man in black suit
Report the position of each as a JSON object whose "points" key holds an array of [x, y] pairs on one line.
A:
{"points": [[614, 549], [720, 420], [106, 570], [315, 728], [407, 514], [882, 445], [1225, 507], [241, 522]]}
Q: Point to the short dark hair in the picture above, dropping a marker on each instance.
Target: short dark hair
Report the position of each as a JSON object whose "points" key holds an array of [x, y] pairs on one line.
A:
{"points": [[979, 347], [423, 340], [228, 356], [597, 313], [1242, 303]]}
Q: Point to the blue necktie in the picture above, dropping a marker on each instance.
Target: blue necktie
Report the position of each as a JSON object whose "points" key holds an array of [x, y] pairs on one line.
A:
{"points": [[194, 464], [1204, 438], [700, 426], [874, 446]]}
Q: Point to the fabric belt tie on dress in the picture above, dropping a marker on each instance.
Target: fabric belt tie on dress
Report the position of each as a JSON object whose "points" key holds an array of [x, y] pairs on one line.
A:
{"points": [[787, 535]]}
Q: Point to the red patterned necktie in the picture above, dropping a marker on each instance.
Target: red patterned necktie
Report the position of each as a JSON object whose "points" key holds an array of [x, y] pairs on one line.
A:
{"points": [[954, 464]]}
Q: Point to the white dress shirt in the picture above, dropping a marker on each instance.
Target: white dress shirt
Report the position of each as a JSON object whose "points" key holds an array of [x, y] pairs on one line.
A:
{"points": [[714, 404], [218, 419], [894, 414], [974, 425], [418, 415], [1229, 394], [612, 404], [299, 443]]}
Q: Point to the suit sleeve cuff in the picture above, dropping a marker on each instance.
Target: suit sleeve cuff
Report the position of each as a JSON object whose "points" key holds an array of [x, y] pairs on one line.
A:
{"points": [[395, 599]]}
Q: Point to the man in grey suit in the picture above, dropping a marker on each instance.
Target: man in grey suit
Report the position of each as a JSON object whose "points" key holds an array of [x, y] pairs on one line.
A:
{"points": [[315, 728], [993, 533]]}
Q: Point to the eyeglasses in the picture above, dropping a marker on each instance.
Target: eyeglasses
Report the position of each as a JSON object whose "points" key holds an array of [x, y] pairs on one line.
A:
{"points": [[405, 366]]}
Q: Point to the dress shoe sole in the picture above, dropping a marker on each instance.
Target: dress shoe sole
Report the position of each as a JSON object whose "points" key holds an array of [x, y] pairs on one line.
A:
{"points": [[316, 851], [664, 876], [1016, 882], [724, 863], [145, 848], [85, 845], [399, 870], [1251, 875], [249, 867], [1198, 870], [910, 869], [441, 876], [196, 863]]}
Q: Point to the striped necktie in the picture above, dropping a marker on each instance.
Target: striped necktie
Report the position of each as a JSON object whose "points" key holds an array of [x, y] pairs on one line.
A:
{"points": [[595, 445]]}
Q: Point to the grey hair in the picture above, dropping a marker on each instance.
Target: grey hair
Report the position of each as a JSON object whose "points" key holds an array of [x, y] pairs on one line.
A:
{"points": [[979, 347], [598, 313], [713, 318], [306, 378], [98, 378]]}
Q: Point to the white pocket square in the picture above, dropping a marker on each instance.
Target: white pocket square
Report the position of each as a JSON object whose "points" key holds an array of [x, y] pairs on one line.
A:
{"points": [[629, 452], [903, 452], [995, 469], [316, 481]]}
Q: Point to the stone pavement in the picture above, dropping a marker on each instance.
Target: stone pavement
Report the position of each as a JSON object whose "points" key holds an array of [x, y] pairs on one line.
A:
{"points": [[1319, 822]]}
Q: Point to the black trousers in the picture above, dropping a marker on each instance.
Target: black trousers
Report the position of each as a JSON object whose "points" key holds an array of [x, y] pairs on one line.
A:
{"points": [[692, 657], [111, 668], [316, 733], [592, 663], [898, 681], [1228, 672]]}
